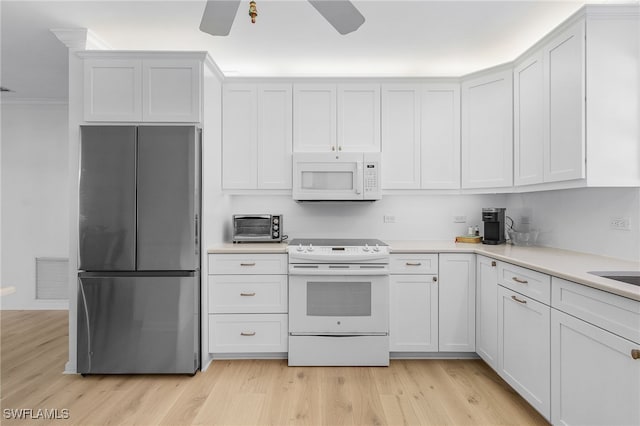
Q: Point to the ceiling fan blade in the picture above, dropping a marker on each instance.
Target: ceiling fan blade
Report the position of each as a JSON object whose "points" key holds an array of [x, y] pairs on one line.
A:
{"points": [[218, 16], [342, 14]]}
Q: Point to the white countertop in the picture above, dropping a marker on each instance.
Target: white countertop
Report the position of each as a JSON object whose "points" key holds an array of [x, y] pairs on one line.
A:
{"points": [[570, 265]]}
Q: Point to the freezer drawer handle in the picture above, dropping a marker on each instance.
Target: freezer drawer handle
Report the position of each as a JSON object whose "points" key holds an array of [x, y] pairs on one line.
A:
{"points": [[635, 353], [248, 333], [519, 300], [248, 294], [413, 263], [248, 264], [518, 280]]}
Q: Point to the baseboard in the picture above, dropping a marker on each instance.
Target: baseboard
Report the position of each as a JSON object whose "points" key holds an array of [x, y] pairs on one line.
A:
{"points": [[433, 355]]}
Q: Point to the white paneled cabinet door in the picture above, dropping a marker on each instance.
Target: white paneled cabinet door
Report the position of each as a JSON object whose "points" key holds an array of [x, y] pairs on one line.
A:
{"points": [[314, 117], [528, 121], [112, 90], [413, 316], [401, 136], [274, 134], [239, 138], [595, 380], [457, 295], [171, 90], [487, 139], [487, 310], [564, 148], [524, 348], [440, 136], [358, 117]]}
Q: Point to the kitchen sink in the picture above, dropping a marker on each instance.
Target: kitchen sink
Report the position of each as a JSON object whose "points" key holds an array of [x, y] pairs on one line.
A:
{"points": [[629, 277]]}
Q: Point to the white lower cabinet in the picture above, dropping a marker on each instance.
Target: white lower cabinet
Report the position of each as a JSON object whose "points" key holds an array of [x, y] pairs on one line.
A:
{"points": [[413, 302], [413, 319], [457, 302], [595, 381], [247, 297], [487, 310], [524, 347]]}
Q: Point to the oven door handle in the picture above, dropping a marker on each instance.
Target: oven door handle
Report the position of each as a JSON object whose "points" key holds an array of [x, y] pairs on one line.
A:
{"points": [[296, 270]]}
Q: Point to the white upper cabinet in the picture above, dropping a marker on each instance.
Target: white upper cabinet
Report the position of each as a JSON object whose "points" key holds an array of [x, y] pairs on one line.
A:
{"points": [[401, 136], [528, 120], [256, 136], [239, 137], [142, 87], [564, 145], [329, 118], [171, 90], [314, 118], [440, 136], [359, 117], [112, 90], [421, 136], [487, 142]]}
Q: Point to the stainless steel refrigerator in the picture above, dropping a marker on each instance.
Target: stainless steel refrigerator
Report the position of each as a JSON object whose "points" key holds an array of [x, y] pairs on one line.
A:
{"points": [[139, 250]]}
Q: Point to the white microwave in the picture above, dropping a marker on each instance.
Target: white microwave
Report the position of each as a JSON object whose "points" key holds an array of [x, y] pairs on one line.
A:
{"points": [[345, 176]]}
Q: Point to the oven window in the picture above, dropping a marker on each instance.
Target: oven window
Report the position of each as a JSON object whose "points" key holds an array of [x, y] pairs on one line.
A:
{"points": [[254, 226], [327, 180], [338, 299]]}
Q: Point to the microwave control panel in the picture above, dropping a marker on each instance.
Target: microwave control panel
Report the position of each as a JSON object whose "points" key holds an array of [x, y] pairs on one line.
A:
{"points": [[371, 180]]}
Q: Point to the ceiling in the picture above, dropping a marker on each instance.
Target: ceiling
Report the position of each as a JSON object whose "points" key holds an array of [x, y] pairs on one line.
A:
{"points": [[399, 38]]}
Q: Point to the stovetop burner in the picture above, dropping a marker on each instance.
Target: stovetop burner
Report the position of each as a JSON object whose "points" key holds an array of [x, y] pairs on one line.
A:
{"points": [[336, 242]]}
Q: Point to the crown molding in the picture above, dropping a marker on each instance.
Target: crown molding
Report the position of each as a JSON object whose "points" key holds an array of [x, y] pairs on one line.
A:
{"points": [[80, 38]]}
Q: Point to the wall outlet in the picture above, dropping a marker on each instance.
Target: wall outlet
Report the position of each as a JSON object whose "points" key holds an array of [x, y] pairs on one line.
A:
{"points": [[387, 218], [459, 219], [620, 223]]}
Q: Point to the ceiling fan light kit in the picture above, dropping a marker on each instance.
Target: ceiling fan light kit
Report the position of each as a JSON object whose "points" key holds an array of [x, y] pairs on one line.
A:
{"points": [[218, 15]]}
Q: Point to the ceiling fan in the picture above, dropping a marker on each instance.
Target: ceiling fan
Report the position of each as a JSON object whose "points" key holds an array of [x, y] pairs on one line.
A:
{"points": [[218, 15]]}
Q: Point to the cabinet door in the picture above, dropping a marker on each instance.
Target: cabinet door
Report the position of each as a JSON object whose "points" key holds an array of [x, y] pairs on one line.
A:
{"points": [[487, 310], [524, 348], [595, 380], [564, 148], [401, 136], [440, 136], [239, 139], [274, 134], [358, 117], [528, 119], [314, 117], [171, 90], [413, 314], [487, 139], [112, 90], [457, 308]]}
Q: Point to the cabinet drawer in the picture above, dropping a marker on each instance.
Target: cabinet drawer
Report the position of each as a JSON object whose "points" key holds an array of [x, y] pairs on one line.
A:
{"points": [[614, 313], [530, 283], [221, 264], [249, 294], [248, 333], [414, 263]]}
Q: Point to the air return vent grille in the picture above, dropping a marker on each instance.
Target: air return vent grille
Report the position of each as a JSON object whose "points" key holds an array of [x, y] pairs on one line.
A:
{"points": [[52, 278]]}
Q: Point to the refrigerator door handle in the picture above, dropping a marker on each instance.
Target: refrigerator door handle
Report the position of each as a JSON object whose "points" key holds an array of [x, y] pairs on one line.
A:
{"points": [[86, 318]]}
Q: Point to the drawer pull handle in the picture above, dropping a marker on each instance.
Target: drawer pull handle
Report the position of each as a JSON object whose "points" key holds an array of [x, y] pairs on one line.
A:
{"points": [[493, 263], [635, 353], [518, 280], [248, 333], [248, 264], [413, 263], [519, 300], [248, 294]]}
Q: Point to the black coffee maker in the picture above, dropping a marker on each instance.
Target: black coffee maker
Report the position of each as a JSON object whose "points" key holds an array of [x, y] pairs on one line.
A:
{"points": [[493, 218]]}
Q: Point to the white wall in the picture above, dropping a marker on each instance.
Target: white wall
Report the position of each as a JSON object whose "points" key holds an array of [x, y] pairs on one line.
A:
{"points": [[35, 202], [418, 217], [578, 219]]}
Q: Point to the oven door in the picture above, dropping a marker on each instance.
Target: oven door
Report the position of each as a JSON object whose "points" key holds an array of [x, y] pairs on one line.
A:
{"points": [[338, 300], [323, 176]]}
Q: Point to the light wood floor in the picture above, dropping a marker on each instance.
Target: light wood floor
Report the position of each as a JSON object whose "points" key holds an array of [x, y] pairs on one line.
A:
{"points": [[248, 392]]}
